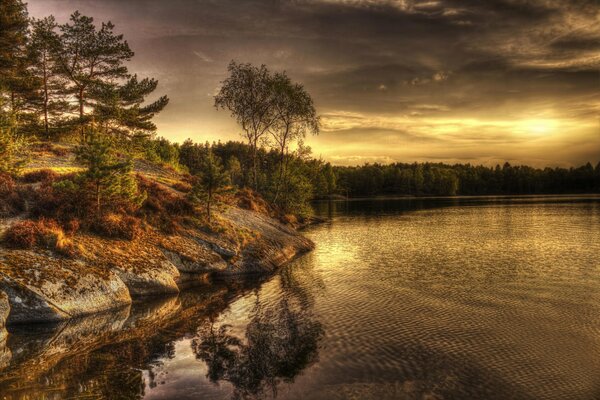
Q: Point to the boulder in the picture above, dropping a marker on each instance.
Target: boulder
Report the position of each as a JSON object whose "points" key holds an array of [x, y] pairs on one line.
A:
{"points": [[43, 288]]}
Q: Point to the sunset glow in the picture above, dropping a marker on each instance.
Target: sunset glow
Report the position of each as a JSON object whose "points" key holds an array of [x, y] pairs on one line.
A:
{"points": [[393, 80]]}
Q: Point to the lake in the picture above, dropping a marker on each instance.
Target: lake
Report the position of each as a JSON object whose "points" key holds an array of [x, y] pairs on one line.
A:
{"points": [[456, 298]]}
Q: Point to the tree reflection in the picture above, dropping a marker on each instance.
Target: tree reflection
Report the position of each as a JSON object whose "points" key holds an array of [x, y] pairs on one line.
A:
{"points": [[280, 341]]}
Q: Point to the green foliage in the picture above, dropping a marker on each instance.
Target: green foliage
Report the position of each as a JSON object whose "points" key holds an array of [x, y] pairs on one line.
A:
{"points": [[13, 150], [447, 180], [109, 175], [50, 99], [13, 38], [211, 179], [119, 109], [90, 57], [248, 94]]}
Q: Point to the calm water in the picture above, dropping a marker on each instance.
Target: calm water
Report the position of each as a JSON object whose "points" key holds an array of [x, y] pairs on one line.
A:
{"points": [[488, 298]]}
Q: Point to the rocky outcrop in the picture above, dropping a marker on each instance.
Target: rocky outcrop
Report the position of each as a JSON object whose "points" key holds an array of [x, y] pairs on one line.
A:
{"points": [[4, 309], [43, 288], [275, 244]]}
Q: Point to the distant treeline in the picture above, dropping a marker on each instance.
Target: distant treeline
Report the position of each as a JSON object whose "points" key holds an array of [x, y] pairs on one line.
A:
{"points": [[314, 178], [437, 179]]}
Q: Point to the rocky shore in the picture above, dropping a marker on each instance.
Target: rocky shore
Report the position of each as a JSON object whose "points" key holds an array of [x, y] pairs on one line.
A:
{"points": [[40, 286]]}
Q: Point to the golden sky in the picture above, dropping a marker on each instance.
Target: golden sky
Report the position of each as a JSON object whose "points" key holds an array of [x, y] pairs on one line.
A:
{"points": [[394, 80]]}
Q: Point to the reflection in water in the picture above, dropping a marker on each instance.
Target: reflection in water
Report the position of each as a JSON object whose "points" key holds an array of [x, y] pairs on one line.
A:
{"points": [[279, 343], [117, 355], [407, 299]]}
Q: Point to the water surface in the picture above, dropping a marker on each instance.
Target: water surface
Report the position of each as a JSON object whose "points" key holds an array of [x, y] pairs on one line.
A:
{"points": [[458, 298]]}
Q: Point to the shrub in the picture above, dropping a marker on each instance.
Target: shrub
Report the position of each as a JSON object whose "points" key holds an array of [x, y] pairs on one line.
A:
{"points": [[21, 235], [41, 175], [117, 226], [72, 226], [163, 208], [11, 198], [7, 185], [64, 199]]}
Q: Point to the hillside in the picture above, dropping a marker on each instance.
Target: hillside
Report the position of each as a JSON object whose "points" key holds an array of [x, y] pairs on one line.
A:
{"points": [[96, 272]]}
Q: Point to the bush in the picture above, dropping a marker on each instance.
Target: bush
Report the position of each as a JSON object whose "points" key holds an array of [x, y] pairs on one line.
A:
{"points": [[45, 233], [117, 226], [163, 208], [22, 235], [41, 175], [11, 199], [7, 185], [63, 200]]}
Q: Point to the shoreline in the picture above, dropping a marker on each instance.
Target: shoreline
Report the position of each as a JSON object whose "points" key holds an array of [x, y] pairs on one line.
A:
{"points": [[42, 287]]}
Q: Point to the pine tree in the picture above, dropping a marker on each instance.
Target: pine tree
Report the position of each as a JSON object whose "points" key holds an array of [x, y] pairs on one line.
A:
{"points": [[13, 150], [211, 180], [43, 48], [91, 57], [110, 177], [120, 110], [15, 82]]}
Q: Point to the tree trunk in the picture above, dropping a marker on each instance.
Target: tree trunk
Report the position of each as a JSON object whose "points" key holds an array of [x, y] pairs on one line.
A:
{"points": [[209, 199], [81, 112], [254, 167], [281, 171], [46, 128], [98, 199]]}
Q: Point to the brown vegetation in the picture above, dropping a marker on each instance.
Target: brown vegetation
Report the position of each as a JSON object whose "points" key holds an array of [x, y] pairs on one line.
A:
{"points": [[44, 233], [117, 226], [164, 209], [40, 175]]}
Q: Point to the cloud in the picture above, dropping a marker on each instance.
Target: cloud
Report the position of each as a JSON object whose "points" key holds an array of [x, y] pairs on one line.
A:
{"points": [[470, 74]]}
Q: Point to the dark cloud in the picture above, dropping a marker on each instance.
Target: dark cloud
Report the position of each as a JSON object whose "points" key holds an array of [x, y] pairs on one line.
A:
{"points": [[487, 63]]}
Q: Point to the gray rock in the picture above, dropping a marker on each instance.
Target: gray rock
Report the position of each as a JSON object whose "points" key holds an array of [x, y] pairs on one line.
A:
{"points": [[51, 289], [212, 263], [275, 245], [4, 309], [153, 280]]}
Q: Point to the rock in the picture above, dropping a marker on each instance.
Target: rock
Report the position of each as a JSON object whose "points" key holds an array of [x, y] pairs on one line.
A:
{"points": [[152, 280], [200, 264], [275, 244], [4, 309], [42, 288]]}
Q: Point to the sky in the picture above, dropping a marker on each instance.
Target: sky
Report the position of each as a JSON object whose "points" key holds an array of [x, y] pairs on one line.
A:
{"points": [[467, 81]]}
